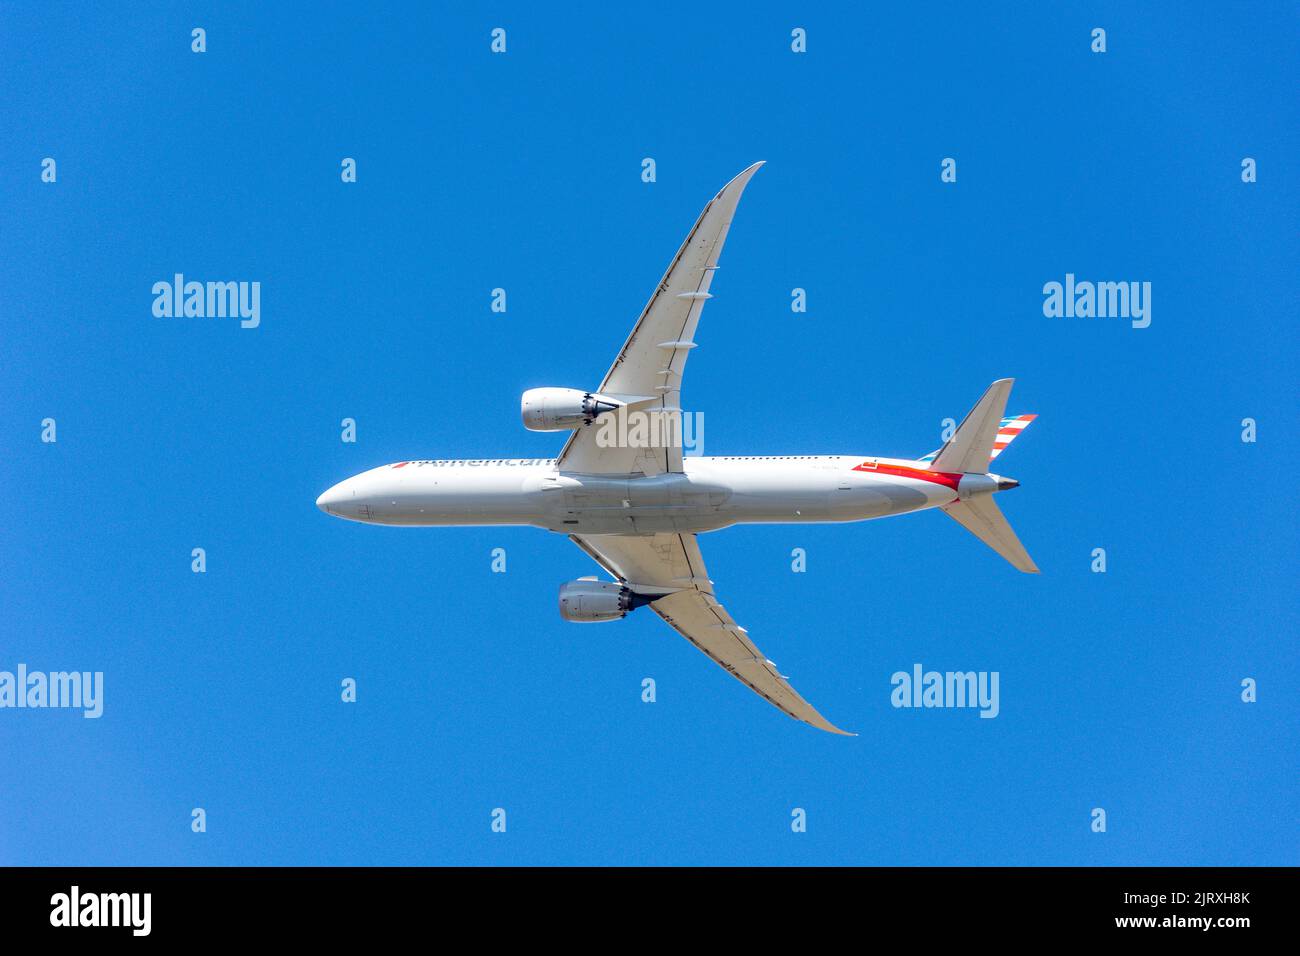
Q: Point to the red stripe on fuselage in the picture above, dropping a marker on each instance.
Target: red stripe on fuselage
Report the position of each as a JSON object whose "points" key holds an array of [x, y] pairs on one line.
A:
{"points": [[902, 471]]}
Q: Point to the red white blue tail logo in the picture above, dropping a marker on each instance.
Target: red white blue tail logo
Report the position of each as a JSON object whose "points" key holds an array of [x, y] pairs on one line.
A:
{"points": [[1008, 429]]}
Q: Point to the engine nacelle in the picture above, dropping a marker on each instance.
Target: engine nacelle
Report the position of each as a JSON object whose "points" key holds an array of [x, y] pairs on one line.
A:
{"points": [[588, 601], [558, 409]]}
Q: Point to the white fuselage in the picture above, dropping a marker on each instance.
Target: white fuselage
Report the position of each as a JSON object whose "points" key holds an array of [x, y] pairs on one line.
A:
{"points": [[712, 493]]}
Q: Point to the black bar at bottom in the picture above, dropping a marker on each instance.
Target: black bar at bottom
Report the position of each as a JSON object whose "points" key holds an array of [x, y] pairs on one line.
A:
{"points": [[336, 904]]}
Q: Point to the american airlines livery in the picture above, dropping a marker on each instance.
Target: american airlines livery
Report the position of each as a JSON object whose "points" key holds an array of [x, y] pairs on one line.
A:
{"points": [[623, 492]]}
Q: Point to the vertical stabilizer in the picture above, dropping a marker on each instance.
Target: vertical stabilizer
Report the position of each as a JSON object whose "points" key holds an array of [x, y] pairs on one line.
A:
{"points": [[971, 447]]}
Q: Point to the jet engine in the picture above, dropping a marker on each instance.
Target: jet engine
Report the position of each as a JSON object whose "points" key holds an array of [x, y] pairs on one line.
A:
{"points": [[588, 600], [558, 409]]}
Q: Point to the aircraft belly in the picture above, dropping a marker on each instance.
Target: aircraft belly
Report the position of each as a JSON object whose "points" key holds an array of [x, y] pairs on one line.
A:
{"points": [[603, 505], [827, 494]]}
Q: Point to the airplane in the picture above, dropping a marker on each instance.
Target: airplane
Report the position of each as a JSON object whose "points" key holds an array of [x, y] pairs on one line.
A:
{"points": [[624, 492]]}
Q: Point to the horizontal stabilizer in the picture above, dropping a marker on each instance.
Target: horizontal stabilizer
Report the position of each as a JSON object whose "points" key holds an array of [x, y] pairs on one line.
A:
{"points": [[983, 518]]}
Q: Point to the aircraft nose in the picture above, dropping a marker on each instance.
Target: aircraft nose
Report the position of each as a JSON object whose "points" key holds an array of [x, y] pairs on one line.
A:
{"points": [[330, 499]]}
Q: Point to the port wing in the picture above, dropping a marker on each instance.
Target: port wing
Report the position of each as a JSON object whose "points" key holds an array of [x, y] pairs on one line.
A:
{"points": [[653, 358]]}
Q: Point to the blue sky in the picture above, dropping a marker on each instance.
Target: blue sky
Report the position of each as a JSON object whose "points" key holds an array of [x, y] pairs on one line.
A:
{"points": [[1118, 690]]}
